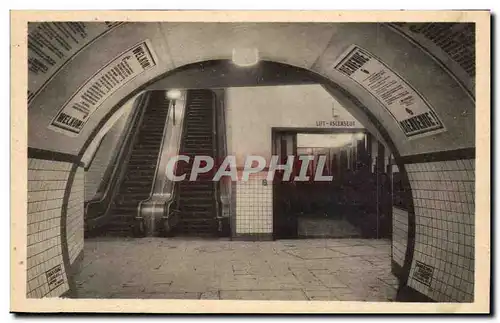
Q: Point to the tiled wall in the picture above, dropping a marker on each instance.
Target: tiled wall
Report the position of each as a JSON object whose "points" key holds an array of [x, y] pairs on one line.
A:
{"points": [[254, 205], [399, 235], [74, 224], [45, 269], [443, 260]]}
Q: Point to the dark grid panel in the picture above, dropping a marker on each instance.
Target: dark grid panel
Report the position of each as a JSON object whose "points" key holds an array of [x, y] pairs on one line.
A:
{"points": [[399, 235], [443, 194], [74, 225], [455, 39], [254, 205], [46, 183]]}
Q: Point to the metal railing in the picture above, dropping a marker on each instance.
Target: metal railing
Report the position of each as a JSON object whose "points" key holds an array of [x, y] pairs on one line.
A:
{"points": [[215, 152], [154, 214], [223, 187], [97, 209]]}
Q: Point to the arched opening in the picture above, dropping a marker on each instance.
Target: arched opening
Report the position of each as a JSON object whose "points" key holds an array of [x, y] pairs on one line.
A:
{"points": [[267, 74], [423, 153]]}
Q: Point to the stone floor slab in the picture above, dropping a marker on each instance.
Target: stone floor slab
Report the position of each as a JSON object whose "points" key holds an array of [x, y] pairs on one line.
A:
{"points": [[284, 295], [362, 250], [180, 268], [315, 253], [210, 295], [321, 295], [174, 295]]}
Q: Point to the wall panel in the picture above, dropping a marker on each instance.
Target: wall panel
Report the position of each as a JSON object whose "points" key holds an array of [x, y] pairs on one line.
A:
{"points": [[46, 276], [443, 260], [75, 212], [399, 235], [254, 205]]}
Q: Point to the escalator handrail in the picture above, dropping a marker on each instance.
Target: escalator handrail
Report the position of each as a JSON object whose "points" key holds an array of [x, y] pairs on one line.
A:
{"points": [[215, 152], [168, 187], [128, 142], [175, 194], [160, 153], [222, 144], [114, 172]]}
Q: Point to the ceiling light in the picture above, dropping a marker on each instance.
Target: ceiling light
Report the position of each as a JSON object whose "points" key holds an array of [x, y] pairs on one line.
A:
{"points": [[245, 57], [359, 136], [174, 94]]}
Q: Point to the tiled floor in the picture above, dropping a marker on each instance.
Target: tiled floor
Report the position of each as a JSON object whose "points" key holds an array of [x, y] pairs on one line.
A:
{"points": [[316, 269]]}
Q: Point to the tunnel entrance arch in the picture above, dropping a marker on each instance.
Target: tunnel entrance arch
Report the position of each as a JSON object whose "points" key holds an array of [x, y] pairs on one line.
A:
{"points": [[440, 91], [300, 75]]}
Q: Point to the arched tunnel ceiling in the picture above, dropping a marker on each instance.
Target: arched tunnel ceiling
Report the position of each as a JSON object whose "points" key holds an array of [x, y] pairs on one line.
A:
{"points": [[316, 47], [224, 74]]}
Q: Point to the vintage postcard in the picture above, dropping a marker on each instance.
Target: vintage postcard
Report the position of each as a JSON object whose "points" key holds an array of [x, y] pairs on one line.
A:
{"points": [[250, 162]]}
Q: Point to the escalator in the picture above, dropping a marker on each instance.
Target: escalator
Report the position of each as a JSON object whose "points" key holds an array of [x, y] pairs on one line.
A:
{"points": [[140, 169], [197, 199]]}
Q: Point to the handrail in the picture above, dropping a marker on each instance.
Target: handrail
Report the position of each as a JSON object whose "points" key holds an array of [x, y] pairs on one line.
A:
{"points": [[215, 151], [114, 172], [154, 210], [224, 196], [161, 151], [171, 218]]}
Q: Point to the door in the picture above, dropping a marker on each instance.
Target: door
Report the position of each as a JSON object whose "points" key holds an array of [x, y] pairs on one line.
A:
{"points": [[285, 221]]}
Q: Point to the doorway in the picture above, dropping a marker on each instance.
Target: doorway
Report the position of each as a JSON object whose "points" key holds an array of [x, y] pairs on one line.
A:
{"points": [[352, 202]]}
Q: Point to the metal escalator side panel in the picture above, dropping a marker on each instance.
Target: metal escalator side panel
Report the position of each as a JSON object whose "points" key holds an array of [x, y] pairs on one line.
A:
{"points": [[140, 169], [97, 211], [154, 210]]}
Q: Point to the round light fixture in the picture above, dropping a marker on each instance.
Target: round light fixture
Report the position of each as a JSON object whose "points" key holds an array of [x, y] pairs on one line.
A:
{"points": [[245, 57], [174, 94], [359, 136]]}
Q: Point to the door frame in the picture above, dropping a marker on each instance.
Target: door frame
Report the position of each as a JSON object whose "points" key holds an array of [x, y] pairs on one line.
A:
{"points": [[275, 207], [279, 131]]}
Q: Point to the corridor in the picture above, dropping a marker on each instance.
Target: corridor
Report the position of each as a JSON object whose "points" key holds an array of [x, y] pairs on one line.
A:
{"points": [[306, 269]]}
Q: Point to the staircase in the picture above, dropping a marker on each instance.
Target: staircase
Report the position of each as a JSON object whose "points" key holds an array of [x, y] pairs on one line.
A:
{"points": [[196, 201], [139, 173]]}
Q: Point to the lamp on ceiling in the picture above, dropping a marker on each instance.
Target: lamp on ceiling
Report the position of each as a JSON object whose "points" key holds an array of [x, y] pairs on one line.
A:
{"points": [[245, 57], [174, 95], [358, 136]]}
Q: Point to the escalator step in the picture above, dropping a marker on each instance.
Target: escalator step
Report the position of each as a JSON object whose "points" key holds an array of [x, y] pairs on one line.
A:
{"points": [[141, 165], [197, 199]]}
